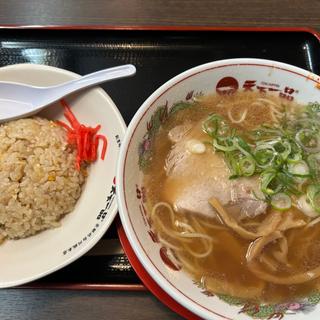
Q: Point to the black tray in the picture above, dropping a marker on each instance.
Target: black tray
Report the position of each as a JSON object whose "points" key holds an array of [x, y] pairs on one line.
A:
{"points": [[158, 56]]}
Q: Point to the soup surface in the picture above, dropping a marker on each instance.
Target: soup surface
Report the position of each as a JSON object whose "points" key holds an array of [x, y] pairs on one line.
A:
{"points": [[233, 193]]}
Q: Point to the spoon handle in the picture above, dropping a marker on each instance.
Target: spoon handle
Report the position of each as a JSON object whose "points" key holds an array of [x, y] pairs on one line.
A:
{"points": [[57, 92]]}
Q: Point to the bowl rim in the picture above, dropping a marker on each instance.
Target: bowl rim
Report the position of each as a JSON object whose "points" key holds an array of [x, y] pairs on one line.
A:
{"points": [[134, 241], [112, 213]]}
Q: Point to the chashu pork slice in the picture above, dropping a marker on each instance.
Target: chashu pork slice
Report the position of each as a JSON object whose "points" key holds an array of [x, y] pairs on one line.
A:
{"points": [[195, 177]]}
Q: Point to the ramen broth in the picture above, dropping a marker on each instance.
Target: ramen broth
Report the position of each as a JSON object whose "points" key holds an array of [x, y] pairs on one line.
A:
{"points": [[215, 255]]}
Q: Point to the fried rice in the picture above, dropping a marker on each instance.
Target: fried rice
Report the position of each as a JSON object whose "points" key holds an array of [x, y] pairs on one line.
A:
{"points": [[39, 183]]}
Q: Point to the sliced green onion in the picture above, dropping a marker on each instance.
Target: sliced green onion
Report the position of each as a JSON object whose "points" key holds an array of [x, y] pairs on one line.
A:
{"points": [[266, 132], [233, 159], [313, 195], [294, 158], [223, 129], [304, 205], [288, 182], [281, 201], [225, 148], [313, 108], [314, 165], [214, 125], [242, 146], [268, 183], [211, 125], [299, 169], [247, 166], [283, 148], [280, 154], [264, 155], [308, 140]]}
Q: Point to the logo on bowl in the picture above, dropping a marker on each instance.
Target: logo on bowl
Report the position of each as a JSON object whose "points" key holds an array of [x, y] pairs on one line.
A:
{"points": [[227, 85], [264, 87]]}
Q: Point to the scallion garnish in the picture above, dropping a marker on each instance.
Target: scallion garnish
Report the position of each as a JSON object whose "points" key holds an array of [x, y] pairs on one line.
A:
{"points": [[313, 195], [285, 155], [281, 201]]}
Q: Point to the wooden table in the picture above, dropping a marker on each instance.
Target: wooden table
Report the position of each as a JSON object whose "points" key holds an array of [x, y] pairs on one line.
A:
{"points": [[46, 304], [282, 13]]}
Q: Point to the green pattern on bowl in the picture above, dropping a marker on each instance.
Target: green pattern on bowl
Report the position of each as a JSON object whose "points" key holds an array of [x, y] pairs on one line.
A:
{"points": [[153, 125]]}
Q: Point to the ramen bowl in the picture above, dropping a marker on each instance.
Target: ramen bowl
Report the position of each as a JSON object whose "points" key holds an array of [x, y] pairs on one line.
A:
{"points": [[221, 77]]}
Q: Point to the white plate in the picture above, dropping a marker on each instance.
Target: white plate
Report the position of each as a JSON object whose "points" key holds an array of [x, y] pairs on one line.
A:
{"points": [[34, 257]]}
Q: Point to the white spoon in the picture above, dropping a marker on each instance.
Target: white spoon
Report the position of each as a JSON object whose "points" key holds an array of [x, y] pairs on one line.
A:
{"points": [[20, 100]]}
